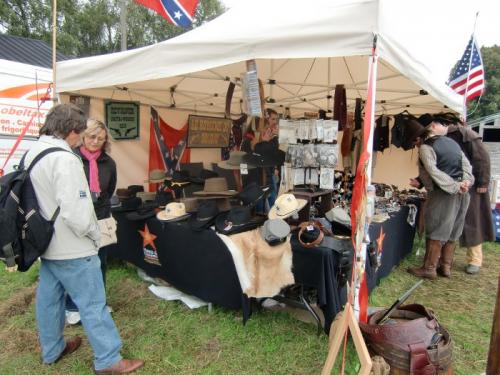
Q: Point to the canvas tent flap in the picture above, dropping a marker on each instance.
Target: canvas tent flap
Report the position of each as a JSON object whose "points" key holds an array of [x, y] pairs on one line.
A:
{"points": [[305, 47]]}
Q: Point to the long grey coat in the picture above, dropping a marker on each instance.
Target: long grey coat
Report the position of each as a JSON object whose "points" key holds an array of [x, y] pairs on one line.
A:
{"points": [[478, 226]]}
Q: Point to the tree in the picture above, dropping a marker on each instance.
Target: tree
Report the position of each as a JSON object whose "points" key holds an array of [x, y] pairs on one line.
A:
{"points": [[92, 27], [490, 101]]}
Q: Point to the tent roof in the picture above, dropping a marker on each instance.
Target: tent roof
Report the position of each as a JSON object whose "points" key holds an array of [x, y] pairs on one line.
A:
{"points": [[303, 49]]}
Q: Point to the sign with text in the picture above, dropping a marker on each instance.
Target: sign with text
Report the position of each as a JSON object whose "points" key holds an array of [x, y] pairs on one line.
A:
{"points": [[24, 98], [209, 132], [122, 119]]}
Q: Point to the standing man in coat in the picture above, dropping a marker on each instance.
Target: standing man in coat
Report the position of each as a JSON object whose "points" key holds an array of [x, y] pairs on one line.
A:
{"points": [[70, 263], [478, 227]]}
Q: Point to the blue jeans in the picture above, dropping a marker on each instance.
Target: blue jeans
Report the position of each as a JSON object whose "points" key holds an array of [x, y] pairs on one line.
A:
{"points": [[103, 255], [81, 278]]}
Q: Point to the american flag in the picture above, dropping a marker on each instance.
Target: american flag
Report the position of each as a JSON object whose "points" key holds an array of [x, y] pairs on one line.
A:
{"points": [[468, 76], [178, 12]]}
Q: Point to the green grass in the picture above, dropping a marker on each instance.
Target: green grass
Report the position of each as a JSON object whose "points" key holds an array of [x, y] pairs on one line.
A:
{"points": [[175, 340]]}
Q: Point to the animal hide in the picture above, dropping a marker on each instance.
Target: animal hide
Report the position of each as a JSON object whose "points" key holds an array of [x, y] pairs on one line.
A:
{"points": [[263, 270]]}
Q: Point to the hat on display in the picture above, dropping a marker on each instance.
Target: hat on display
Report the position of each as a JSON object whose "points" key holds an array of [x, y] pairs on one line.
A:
{"points": [[252, 193], [202, 176], [310, 234], [285, 206], [134, 189], [275, 231], [191, 204], [223, 203], [174, 211], [179, 179], [216, 186], [339, 215], [129, 204], [237, 220], [146, 196], [123, 194], [265, 154], [144, 212], [156, 176], [234, 161], [205, 216]]}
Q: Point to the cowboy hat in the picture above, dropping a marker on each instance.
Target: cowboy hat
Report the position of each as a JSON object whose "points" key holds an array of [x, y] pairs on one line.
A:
{"points": [[237, 220], [144, 212], [205, 216], [174, 211], [216, 186], [157, 176], [286, 205], [234, 161], [252, 193]]}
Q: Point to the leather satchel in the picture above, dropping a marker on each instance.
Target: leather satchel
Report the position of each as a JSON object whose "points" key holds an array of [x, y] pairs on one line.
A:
{"points": [[107, 227]]}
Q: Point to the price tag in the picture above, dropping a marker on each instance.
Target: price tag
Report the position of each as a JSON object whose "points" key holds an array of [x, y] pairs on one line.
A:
{"points": [[243, 168]]}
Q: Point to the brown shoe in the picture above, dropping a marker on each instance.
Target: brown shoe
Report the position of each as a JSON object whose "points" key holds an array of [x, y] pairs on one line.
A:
{"points": [[446, 260], [431, 258], [71, 345], [125, 366]]}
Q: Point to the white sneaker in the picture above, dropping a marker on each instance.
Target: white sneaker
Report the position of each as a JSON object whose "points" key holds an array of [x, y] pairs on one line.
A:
{"points": [[72, 317]]}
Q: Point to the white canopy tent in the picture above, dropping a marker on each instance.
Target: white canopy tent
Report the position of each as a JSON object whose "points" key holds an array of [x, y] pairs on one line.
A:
{"points": [[303, 49]]}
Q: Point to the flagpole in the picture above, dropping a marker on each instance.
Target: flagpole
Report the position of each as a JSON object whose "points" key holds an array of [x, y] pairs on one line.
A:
{"points": [[54, 51], [473, 45]]}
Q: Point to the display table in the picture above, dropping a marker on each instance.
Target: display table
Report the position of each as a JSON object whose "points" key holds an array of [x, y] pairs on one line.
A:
{"points": [[198, 263], [324, 195]]}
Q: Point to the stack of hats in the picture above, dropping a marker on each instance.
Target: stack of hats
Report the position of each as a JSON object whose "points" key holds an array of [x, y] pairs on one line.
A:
{"points": [[128, 199], [205, 215], [216, 188]]}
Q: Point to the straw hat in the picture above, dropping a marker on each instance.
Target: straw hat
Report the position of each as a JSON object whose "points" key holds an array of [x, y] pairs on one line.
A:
{"points": [[174, 211], [156, 176], [216, 186], [286, 205], [234, 161]]}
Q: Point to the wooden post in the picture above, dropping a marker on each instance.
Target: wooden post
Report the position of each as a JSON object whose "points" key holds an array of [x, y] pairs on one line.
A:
{"points": [[493, 367]]}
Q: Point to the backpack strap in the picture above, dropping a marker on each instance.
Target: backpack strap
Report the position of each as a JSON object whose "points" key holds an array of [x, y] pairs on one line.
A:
{"points": [[36, 160]]}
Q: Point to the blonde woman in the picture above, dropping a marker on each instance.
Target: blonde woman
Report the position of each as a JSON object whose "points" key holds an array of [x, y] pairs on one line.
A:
{"points": [[100, 170]]}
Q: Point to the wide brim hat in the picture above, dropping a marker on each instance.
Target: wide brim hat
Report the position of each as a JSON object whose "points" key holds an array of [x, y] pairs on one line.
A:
{"points": [[252, 193], [180, 178], [202, 176], [135, 189], [174, 211], [145, 212], [237, 220], [285, 206], [216, 186], [223, 203], [123, 194], [130, 204], [339, 215], [414, 129], [156, 176], [234, 162], [190, 203], [205, 216]]}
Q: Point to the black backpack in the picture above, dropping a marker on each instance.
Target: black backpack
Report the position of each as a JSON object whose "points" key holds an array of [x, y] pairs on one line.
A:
{"points": [[25, 234]]}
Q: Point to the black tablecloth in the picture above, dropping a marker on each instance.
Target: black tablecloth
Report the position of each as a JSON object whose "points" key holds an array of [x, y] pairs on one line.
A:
{"points": [[198, 263]]}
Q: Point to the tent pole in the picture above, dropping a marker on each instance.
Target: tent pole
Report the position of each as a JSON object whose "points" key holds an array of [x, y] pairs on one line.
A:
{"points": [[54, 48]]}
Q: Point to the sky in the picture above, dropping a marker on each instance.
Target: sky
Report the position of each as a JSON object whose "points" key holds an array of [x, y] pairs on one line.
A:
{"points": [[488, 24]]}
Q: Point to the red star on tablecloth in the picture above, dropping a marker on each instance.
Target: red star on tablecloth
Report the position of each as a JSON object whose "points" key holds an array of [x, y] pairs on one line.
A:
{"points": [[380, 240], [147, 237]]}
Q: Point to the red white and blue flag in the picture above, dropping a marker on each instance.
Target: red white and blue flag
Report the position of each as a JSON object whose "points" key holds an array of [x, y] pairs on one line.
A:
{"points": [[468, 76], [178, 12]]}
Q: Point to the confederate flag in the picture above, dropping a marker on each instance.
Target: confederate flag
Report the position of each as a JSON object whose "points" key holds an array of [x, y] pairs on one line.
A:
{"points": [[178, 12]]}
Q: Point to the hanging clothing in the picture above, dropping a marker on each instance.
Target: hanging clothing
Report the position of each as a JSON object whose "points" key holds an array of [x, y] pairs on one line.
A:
{"points": [[340, 106], [381, 134]]}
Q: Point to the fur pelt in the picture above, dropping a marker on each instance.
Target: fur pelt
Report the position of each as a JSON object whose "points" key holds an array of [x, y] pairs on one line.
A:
{"points": [[263, 270]]}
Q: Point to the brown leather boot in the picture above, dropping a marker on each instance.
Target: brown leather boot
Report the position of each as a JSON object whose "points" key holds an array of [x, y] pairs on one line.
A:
{"points": [[71, 345], [125, 366], [447, 258], [431, 258]]}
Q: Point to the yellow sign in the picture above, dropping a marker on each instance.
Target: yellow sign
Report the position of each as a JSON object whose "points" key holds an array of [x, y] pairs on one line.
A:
{"points": [[207, 131]]}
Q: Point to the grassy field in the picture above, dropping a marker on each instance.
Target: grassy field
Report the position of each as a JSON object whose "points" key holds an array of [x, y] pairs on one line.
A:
{"points": [[175, 340]]}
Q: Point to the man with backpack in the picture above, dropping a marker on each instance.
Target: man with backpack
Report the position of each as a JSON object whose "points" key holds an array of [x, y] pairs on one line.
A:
{"points": [[70, 263]]}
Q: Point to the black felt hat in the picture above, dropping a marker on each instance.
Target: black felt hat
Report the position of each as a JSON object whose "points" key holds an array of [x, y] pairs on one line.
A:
{"points": [[237, 220], [144, 212], [179, 179], [205, 216], [252, 193], [129, 204], [202, 176]]}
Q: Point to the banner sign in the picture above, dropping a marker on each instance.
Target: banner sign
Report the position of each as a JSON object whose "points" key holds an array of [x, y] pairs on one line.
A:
{"points": [[24, 93], [209, 132], [122, 119]]}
